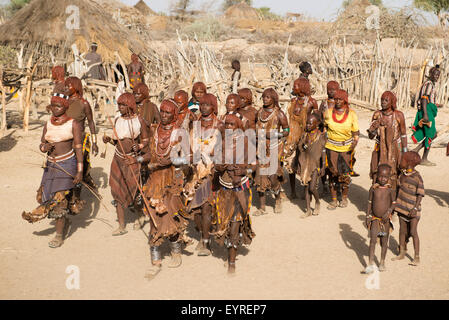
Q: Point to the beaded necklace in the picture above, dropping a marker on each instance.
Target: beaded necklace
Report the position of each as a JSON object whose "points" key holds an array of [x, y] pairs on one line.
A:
{"points": [[342, 120], [156, 136]]}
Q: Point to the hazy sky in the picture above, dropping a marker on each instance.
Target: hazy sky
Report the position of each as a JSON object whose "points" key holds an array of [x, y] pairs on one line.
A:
{"points": [[319, 9]]}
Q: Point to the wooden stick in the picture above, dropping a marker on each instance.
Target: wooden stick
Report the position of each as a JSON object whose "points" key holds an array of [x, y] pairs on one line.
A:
{"points": [[98, 196], [2, 88], [26, 113], [125, 70], [134, 176]]}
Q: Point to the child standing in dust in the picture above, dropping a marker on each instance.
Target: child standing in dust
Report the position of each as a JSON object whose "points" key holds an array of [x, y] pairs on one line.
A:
{"points": [[378, 216], [408, 204]]}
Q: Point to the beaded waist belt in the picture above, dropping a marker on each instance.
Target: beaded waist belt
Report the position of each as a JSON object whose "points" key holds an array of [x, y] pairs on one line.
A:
{"points": [[244, 184], [63, 157], [121, 155], [341, 143]]}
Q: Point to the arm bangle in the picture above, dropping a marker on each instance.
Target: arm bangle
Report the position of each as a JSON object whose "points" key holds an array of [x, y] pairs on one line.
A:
{"points": [[80, 167], [139, 159]]}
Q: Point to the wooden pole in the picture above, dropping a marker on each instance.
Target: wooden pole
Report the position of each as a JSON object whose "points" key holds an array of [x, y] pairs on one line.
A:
{"points": [[2, 88], [26, 111], [125, 71]]}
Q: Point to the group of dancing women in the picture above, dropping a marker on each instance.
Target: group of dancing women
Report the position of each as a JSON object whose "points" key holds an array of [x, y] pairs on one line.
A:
{"points": [[170, 186]]}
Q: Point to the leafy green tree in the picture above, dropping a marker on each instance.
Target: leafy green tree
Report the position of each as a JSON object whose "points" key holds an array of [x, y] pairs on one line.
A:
{"points": [[230, 3], [438, 7], [378, 3], [266, 13], [16, 5]]}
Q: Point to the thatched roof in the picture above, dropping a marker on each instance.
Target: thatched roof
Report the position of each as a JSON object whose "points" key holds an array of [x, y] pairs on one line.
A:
{"points": [[241, 11], [42, 24], [144, 8]]}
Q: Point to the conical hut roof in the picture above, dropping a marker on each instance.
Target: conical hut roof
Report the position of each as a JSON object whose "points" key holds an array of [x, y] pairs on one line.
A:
{"points": [[45, 26], [241, 11], [144, 8]]}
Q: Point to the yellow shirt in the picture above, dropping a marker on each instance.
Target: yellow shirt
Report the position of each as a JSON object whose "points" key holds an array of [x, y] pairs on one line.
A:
{"points": [[340, 131]]}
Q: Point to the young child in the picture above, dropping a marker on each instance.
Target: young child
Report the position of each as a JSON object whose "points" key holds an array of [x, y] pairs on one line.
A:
{"points": [[408, 204], [380, 206], [311, 161]]}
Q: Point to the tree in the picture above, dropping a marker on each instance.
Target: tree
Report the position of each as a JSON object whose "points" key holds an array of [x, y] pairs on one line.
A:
{"points": [[378, 3], [180, 7], [438, 7], [230, 3], [266, 13], [16, 5]]}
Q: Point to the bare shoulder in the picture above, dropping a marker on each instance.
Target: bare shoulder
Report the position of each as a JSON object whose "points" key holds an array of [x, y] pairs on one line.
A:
{"points": [[281, 113], [399, 114]]}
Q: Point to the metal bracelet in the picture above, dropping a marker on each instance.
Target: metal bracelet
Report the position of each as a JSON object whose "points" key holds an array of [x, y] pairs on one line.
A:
{"points": [[176, 246], [155, 253]]}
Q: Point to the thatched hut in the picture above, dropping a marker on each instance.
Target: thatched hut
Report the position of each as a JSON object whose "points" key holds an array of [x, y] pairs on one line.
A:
{"points": [[49, 29], [241, 11], [144, 8]]}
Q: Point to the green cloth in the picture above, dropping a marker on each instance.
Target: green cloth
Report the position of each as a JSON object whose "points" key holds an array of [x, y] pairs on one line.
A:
{"points": [[425, 132]]}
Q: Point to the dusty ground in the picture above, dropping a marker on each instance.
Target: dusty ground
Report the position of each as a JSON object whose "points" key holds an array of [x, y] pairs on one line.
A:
{"points": [[290, 258]]}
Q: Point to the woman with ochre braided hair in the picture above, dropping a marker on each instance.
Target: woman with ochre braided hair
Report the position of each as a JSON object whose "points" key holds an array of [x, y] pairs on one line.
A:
{"points": [[80, 110], [164, 189], [233, 198], [272, 122], [130, 136], [62, 142]]}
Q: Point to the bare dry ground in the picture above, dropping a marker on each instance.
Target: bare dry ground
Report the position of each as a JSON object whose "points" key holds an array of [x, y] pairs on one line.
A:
{"points": [[290, 258]]}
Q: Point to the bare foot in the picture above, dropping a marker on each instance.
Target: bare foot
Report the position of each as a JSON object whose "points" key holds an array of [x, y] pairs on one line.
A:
{"points": [[200, 245], [427, 163], [153, 271], [56, 242], [415, 262], [119, 231], [138, 224], [278, 206], [204, 251], [259, 212], [370, 269], [401, 256], [175, 260], [231, 268], [382, 266], [343, 203], [333, 205], [307, 214], [316, 211]]}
